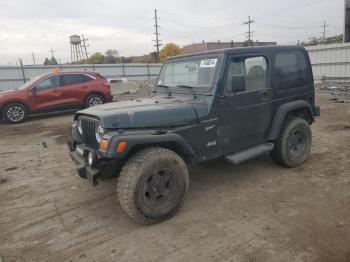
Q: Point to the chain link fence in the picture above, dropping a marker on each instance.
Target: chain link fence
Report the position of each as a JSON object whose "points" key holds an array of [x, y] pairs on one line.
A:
{"points": [[14, 76]]}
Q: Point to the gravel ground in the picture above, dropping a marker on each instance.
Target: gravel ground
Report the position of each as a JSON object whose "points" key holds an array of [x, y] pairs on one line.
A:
{"points": [[256, 211]]}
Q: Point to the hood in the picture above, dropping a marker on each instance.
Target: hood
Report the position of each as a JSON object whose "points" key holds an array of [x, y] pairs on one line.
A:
{"points": [[147, 113], [9, 92]]}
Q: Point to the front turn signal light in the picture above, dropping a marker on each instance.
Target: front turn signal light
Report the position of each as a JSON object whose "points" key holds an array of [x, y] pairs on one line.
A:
{"points": [[121, 147], [104, 144]]}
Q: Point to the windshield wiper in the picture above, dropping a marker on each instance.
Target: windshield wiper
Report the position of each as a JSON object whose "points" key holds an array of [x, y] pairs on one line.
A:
{"points": [[167, 87], [189, 87], [186, 86]]}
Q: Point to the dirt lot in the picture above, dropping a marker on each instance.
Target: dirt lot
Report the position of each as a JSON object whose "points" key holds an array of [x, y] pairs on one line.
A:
{"points": [[256, 211]]}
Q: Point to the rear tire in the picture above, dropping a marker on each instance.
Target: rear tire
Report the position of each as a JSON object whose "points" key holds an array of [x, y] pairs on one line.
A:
{"points": [[293, 144], [94, 100], [14, 113], [153, 185]]}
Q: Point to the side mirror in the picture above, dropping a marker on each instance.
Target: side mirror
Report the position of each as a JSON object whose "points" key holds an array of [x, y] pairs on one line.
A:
{"points": [[238, 83], [33, 91]]}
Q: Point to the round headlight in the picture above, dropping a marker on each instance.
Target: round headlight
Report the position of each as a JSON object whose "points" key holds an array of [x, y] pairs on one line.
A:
{"points": [[91, 159], [99, 133], [80, 129]]}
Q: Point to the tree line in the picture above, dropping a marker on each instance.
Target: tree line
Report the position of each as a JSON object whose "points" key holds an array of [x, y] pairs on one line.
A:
{"points": [[111, 56]]}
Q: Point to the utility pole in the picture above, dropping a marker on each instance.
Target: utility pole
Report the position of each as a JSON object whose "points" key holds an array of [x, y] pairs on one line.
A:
{"points": [[250, 32], [324, 30], [158, 44], [52, 52], [85, 46], [33, 56]]}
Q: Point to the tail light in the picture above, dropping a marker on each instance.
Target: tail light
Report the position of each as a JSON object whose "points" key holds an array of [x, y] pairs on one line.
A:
{"points": [[107, 84]]}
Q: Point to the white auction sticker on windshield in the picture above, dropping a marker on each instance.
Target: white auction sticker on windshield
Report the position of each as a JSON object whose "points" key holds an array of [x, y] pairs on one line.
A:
{"points": [[208, 63]]}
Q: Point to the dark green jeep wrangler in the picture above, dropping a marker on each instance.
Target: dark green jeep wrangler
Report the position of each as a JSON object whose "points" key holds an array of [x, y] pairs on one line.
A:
{"points": [[232, 103]]}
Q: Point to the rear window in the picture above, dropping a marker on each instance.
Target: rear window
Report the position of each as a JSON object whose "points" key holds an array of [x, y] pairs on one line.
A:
{"points": [[291, 70]]}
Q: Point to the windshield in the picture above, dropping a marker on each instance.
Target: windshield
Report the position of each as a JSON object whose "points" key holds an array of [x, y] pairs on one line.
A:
{"points": [[29, 83], [196, 73]]}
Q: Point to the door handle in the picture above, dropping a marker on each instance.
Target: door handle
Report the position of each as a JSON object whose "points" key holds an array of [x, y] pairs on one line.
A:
{"points": [[264, 95]]}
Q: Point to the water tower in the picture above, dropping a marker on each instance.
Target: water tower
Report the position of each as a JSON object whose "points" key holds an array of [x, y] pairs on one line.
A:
{"points": [[76, 48]]}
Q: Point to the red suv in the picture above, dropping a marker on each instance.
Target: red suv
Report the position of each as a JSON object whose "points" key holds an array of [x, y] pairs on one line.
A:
{"points": [[54, 92]]}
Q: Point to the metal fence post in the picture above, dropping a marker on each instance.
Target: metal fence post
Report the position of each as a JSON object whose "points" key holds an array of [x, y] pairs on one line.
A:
{"points": [[123, 67], [22, 68], [148, 72]]}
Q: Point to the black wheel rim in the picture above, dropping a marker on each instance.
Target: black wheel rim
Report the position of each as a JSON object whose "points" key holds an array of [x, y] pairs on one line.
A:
{"points": [[161, 189], [296, 143]]}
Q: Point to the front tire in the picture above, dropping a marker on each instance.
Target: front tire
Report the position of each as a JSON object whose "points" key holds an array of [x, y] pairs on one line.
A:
{"points": [[153, 185], [15, 113], [94, 100], [293, 144]]}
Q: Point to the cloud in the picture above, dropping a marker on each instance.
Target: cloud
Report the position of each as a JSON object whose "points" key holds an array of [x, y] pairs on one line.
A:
{"points": [[28, 26]]}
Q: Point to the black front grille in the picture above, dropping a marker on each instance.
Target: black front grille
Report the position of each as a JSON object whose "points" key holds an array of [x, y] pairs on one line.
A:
{"points": [[89, 126]]}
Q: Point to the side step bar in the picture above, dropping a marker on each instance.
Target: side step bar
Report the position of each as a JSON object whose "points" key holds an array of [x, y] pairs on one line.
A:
{"points": [[239, 157]]}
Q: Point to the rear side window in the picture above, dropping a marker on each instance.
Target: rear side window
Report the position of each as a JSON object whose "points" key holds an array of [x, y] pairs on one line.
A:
{"points": [[86, 78], [99, 75], [73, 79], [291, 70], [252, 70]]}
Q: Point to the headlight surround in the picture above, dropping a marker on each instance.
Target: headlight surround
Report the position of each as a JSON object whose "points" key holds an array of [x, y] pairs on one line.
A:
{"points": [[80, 129], [99, 133]]}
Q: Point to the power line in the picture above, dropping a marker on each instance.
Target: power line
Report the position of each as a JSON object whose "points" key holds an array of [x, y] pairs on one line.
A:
{"points": [[250, 32], [156, 26]]}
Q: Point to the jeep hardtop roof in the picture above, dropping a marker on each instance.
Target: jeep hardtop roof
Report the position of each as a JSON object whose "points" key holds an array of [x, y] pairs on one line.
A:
{"points": [[241, 50]]}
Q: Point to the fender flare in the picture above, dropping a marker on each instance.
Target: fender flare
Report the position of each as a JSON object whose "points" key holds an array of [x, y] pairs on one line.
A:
{"points": [[281, 114], [145, 140]]}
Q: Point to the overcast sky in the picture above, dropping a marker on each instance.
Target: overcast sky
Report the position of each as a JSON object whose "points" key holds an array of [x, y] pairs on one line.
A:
{"points": [[28, 26]]}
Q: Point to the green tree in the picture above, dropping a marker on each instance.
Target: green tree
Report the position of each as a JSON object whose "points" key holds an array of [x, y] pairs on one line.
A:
{"points": [[169, 50], [47, 61], [96, 58], [53, 61]]}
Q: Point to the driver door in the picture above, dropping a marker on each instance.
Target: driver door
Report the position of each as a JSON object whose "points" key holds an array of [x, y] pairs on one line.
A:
{"points": [[246, 113], [46, 94]]}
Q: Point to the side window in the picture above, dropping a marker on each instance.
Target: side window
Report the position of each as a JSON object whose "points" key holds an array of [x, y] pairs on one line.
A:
{"points": [[86, 78], [72, 79], [51, 82], [291, 70], [252, 70]]}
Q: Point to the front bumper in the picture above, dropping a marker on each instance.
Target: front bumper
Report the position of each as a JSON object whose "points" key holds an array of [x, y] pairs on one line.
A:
{"points": [[317, 111], [80, 159]]}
